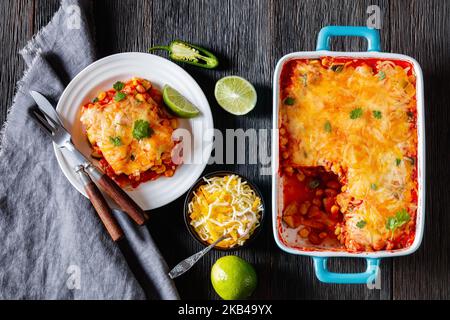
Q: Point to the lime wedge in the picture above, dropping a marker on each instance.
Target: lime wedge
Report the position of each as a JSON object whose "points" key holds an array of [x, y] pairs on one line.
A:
{"points": [[178, 104], [236, 95]]}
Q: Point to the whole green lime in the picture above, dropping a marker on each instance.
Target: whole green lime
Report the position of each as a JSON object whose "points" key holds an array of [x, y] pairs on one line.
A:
{"points": [[233, 278]]}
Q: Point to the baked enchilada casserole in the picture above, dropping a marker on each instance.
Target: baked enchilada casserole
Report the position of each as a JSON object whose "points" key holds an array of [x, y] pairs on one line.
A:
{"points": [[348, 150], [131, 132]]}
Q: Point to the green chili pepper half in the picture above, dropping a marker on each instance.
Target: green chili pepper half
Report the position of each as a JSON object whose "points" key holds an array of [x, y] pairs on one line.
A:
{"points": [[188, 53]]}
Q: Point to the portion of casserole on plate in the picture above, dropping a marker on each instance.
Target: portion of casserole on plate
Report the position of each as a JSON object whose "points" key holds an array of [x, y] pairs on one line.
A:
{"points": [[131, 132], [348, 150]]}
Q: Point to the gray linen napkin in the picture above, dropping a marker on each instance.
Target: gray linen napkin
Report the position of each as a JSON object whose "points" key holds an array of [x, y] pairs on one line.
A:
{"points": [[52, 245]]}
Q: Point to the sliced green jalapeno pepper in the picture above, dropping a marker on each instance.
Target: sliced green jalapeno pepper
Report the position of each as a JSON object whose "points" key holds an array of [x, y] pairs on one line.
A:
{"points": [[188, 53]]}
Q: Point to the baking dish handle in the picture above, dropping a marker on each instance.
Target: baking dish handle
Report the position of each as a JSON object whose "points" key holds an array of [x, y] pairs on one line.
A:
{"points": [[372, 36], [368, 277]]}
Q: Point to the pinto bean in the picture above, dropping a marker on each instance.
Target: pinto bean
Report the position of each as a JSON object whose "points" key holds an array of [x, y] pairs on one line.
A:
{"points": [[313, 224], [328, 202], [317, 202], [334, 210], [140, 88], [304, 207], [300, 176], [314, 238], [333, 185], [331, 192], [323, 235], [291, 209], [292, 221], [313, 211]]}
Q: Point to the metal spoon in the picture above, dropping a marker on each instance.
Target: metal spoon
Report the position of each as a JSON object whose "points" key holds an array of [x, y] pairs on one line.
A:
{"points": [[188, 263]]}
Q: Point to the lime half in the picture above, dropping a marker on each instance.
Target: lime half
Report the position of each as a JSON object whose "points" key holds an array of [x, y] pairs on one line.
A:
{"points": [[236, 95], [178, 104], [233, 278]]}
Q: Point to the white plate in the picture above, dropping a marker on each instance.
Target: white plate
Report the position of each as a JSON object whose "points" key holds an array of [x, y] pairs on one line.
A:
{"points": [[101, 75]]}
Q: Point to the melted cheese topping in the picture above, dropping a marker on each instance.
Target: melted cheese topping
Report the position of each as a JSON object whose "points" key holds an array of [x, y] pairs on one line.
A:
{"points": [[358, 122], [117, 119]]}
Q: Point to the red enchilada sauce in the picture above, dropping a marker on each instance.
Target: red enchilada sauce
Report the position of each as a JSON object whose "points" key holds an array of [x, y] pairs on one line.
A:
{"points": [[309, 198]]}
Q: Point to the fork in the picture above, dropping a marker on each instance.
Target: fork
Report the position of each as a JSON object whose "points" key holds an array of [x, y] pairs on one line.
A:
{"points": [[62, 138]]}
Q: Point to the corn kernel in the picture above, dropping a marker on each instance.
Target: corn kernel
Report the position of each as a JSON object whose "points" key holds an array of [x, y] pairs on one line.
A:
{"points": [[101, 96], [304, 233], [147, 84], [140, 97]]}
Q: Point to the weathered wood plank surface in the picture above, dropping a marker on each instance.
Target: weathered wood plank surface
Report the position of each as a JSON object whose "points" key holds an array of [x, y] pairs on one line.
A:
{"points": [[425, 35], [250, 36]]}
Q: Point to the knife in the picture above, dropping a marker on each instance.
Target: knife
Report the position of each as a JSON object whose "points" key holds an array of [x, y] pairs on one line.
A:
{"points": [[63, 139]]}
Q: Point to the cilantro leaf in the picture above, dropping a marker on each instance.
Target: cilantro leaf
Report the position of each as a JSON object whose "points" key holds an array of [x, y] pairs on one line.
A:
{"points": [[373, 186], [327, 126], [398, 161], [116, 141], [377, 114], [118, 85], [400, 218], [119, 96], [95, 100], [361, 224], [381, 75], [289, 101], [356, 113], [141, 129]]}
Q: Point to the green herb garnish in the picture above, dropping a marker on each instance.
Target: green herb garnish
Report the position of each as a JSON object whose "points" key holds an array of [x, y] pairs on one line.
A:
{"points": [[327, 126], [400, 218], [337, 67], [133, 157], [119, 96], [373, 186], [95, 100], [289, 101], [142, 130], [356, 113], [381, 75], [361, 224], [313, 184], [377, 114], [118, 85], [398, 161], [116, 141]]}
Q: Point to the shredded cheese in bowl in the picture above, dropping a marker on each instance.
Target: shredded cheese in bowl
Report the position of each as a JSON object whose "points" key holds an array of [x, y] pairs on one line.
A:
{"points": [[225, 205]]}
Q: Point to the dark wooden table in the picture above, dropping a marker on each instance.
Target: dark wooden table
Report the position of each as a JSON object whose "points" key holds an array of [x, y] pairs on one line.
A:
{"points": [[250, 36]]}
